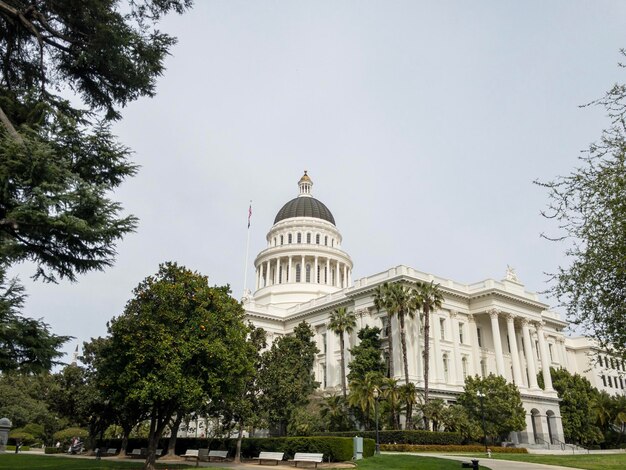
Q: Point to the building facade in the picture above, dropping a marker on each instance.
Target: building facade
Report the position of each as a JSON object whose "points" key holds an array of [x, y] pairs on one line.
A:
{"points": [[486, 327]]}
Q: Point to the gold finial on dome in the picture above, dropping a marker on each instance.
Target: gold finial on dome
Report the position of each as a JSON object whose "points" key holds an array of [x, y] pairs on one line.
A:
{"points": [[305, 184]]}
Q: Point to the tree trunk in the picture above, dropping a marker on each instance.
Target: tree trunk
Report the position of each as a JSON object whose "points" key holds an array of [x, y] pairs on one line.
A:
{"points": [[171, 444], [125, 434], [151, 457], [8, 125], [409, 415], [343, 365], [239, 439], [403, 343], [390, 346], [426, 358]]}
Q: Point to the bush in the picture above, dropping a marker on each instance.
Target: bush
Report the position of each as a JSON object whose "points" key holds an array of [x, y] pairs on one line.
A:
{"points": [[451, 448], [53, 450], [18, 435], [405, 437], [66, 435]]}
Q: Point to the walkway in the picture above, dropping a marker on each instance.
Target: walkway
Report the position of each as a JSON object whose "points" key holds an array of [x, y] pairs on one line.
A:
{"points": [[496, 464]]}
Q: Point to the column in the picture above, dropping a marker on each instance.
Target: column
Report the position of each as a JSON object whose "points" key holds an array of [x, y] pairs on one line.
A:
{"points": [[290, 272], [438, 366], [545, 359], [267, 273], [302, 271], [315, 280], [349, 277], [517, 373], [457, 375], [497, 341], [345, 276], [563, 349], [327, 271], [277, 273], [530, 357], [471, 324], [336, 283]]}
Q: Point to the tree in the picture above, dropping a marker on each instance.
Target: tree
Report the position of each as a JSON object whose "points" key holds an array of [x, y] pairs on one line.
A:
{"points": [[178, 345], [73, 396], [26, 344], [455, 419], [502, 403], [286, 377], [434, 411], [576, 395], [363, 392], [333, 414], [341, 322], [380, 303], [58, 162], [429, 298], [408, 395], [366, 355], [589, 208], [391, 392]]}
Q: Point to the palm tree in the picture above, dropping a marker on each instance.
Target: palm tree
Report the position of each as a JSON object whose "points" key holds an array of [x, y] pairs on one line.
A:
{"points": [[408, 394], [362, 393], [380, 303], [602, 410], [342, 321], [429, 298], [391, 392]]}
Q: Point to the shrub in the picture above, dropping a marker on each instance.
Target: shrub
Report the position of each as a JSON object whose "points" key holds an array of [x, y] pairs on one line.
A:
{"points": [[405, 437], [19, 435], [53, 450], [12, 448], [451, 448], [66, 435]]}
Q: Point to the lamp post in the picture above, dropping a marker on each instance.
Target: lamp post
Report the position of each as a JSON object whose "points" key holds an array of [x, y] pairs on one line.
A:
{"points": [[481, 397], [376, 394]]}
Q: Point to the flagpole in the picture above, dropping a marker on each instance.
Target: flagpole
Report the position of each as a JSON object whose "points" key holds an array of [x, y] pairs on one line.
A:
{"points": [[245, 271]]}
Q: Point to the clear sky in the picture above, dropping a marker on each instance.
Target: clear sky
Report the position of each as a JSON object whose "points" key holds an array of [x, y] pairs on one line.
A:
{"points": [[422, 126]]}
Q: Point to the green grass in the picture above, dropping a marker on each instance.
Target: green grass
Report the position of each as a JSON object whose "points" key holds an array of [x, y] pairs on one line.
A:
{"points": [[24, 461], [586, 461], [408, 462]]}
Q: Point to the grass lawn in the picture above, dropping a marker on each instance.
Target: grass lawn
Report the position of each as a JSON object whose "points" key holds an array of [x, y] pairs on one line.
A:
{"points": [[587, 461], [408, 462], [24, 461]]}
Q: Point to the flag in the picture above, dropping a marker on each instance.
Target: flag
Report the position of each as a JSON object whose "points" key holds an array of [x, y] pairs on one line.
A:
{"points": [[249, 214]]}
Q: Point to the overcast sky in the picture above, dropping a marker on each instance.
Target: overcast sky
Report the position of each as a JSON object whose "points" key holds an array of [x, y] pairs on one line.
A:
{"points": [[422, 126]]}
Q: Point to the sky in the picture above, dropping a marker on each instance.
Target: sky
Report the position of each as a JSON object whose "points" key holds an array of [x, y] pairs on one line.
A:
{"points": [[422, 125]]}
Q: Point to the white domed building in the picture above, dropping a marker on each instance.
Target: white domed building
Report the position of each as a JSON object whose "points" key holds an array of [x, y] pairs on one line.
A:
{"points": [[491, 326]]}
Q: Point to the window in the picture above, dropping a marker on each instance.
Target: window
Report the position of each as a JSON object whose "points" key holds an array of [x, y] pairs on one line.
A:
{"points": [[297, 273], [600, 361], [479, 337], [612, 364], [308, 273], [308, 238], [464, 364], [461, 328], [326, 240], [385, 321], [281, 239], [445, 368], [299, 237], [323, 375], [318, 275], [621, 383], [289, 238], [332, 242], [603, 380], [483, 368], [537, 348], [317, 239], [274, 241], [442, 328], [280, 275]]}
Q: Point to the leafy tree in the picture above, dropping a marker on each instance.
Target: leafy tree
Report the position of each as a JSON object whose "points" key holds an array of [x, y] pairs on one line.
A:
{"points": [[341, 322], [502, 403], [577, 396], [430, 298], [73, 395], [455, 419], [366, 355], [58, 161], [363, 394], [26, 345], [287, 377], [178, 344], [589, 208]]}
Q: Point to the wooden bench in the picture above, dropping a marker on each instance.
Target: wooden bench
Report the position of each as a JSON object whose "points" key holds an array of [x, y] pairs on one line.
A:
{"points": [[275, 456], [304, 457], [110, 452], [218, 454], [137, 454], [191, 454]]}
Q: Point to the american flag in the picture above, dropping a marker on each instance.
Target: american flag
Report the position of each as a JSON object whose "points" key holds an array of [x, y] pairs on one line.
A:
{"points": [[249, 214]]}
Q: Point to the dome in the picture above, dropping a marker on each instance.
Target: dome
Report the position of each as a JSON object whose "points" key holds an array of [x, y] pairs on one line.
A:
{"points": [[305, 207]]}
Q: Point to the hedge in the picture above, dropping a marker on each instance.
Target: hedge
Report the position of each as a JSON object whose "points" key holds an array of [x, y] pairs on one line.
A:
{"points": [[334, 448], [405, 437], [53, 450], [451, 448], [12, 448]]}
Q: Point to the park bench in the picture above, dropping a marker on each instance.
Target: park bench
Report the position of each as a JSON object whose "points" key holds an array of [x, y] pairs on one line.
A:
{"points": [[158, 453], [110, 452], [218, 454], [275, 456], [304, 457], [137, 453], [473, 464], [190, 454]]}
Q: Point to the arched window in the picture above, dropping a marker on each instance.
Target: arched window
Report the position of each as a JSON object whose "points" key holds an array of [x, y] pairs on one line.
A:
{"points": [[308, 238], [281, 239], [317, 239], [308, 273], [280, 274], [299, 238], [318, 275], [445, 368], [326, 240], [332, 242], [289, 239], [464, 365], [297, 272]]}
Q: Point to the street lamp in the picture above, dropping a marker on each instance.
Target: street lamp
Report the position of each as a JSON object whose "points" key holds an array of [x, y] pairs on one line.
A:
{"points": [[481, 397], [376, 394]]}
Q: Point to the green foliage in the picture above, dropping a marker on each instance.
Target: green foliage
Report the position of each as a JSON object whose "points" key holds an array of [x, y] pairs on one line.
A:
{"points": [[406, 437], [451, 448], [19, 435], [363, 392], [303, 423], [589, 208], [334, 415], [286, 377], [26, 344], [66, 435], [53, 450], [502, 405], [456, 419], [366, 355], [342, 321]]}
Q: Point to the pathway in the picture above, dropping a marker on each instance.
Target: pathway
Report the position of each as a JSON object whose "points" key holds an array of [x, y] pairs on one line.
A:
{"points": [[496, 464]]}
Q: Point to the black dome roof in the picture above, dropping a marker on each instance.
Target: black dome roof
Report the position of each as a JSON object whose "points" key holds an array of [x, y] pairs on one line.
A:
{"points": [[305, 207]]}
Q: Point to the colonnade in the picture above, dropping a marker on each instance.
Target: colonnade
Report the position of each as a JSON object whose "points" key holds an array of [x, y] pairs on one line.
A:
{"points": [[303, 269]]}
